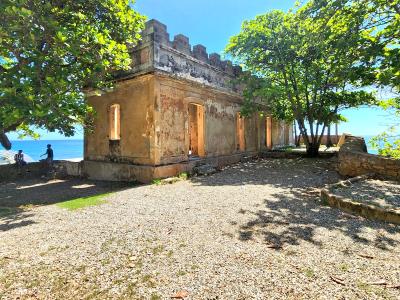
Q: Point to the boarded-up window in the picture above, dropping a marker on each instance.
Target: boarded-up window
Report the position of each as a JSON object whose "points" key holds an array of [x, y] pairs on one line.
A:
{"points": [[241, 146], [115, 122]]}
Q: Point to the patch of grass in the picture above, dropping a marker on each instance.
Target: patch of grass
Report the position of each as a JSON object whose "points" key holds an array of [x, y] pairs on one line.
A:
{"points": [[181, 273], [183, 176], [155, 297], [157, 181], [309, 272], [344, 267], [291, 253], [170, 253], [80, 203], [171, 180], [157, 250], [149, 281], [5, 211], [365, 287], [131, 289], [27, 206], [139, 264]]}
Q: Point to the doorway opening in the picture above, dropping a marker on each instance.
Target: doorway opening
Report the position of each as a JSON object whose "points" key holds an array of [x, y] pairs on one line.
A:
{"points": [[196, 130], [241, 146], [268, 132]]}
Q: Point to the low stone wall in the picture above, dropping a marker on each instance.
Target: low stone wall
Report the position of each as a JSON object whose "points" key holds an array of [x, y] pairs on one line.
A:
{"points": [[108, 171], [354, 160], [350, 206], [38, 169], [12, 172]]}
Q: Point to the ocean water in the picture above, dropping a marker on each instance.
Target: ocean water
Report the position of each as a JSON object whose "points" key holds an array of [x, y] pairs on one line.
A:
{"points": [[367, 138], [63, 149]]}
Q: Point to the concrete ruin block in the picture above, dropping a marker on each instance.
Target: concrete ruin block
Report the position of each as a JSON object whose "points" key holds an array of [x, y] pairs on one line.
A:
{"points": [[228, 67], [181, 43], [215, 60], [200, 52], [158, 30], [204, 170]]}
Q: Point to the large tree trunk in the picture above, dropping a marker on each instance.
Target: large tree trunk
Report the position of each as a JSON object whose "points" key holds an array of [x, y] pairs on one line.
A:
{"points": [[313, 149], [312, 142], [4, 141], [296, 136], [328, 138]]}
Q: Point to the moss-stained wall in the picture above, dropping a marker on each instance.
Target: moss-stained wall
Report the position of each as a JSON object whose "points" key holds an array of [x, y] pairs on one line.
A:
{"points": [[155, 122], [172, 121], [137, 123]]}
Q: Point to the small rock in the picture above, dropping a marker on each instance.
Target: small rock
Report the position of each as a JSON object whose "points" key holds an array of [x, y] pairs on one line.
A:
{"points": [[180, 295], [205, 170]]}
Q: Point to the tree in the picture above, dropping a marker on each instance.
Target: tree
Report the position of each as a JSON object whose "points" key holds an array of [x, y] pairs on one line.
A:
{"points": [[51, 51], [381, 50], [304, 67]]}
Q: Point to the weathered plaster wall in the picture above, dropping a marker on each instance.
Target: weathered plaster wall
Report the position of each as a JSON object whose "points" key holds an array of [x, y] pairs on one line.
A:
{"points": [[251, 133], [220, 125], [156, 52], [154, 97], [172, 121], [282, 134], [136, 99]]}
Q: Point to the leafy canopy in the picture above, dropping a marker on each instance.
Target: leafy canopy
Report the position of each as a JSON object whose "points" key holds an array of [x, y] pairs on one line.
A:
{"points": [[381, 49], [303, 66], [51, 51]]}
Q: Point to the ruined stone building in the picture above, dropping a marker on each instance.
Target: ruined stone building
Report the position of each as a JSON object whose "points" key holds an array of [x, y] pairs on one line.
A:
{"points": [[176, 108]]}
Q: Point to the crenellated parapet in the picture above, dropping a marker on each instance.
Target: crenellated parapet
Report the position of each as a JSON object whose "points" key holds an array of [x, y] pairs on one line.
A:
{"points": [[157, 52]]}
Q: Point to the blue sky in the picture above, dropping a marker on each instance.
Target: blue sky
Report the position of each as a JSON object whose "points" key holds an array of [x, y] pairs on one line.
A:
{"points": [[212, 22]]}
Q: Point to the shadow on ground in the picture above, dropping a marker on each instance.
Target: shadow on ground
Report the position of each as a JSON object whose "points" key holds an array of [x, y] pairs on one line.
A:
{"points": [[298, 215], [295, 214], [17, 197]]}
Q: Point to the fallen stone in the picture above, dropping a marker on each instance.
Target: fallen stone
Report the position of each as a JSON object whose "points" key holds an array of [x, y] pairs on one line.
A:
{"points": [[204, 170]]}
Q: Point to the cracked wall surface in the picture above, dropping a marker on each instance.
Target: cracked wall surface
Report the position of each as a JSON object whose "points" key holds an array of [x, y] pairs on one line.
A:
{"points": [[154, 98]]}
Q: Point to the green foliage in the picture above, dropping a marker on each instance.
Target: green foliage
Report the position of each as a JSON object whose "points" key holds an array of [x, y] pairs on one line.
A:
{"points": [[157, 181], [303, 66], [388, 142], [5, 211], [183, 176], [52, 51], [80, 203], [379, 62]]}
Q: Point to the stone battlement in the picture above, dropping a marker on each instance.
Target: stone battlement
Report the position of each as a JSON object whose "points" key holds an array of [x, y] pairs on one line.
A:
{"points": [[156, 52], [158, 32]]}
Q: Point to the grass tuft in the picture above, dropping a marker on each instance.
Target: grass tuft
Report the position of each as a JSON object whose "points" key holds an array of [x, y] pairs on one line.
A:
{"points": [[157, 181], [80, 203], [5, 211]]}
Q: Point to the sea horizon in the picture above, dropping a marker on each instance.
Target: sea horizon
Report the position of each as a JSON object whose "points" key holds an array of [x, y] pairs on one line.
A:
{"points": [[63, 149]]}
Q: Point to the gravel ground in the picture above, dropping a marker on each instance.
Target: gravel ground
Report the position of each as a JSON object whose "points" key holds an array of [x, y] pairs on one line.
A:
{"points": [[253, 231], [385, 194]]}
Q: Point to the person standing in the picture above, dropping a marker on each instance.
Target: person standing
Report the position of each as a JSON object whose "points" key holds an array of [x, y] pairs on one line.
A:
{"points": [[50, 155]]}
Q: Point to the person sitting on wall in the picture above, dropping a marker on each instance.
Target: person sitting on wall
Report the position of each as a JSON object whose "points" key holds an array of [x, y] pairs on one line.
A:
{"points": [[19, 159], [50, 155]]}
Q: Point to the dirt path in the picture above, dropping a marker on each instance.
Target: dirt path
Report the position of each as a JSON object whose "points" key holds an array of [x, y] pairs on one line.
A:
{"points": [[252, 231]]}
